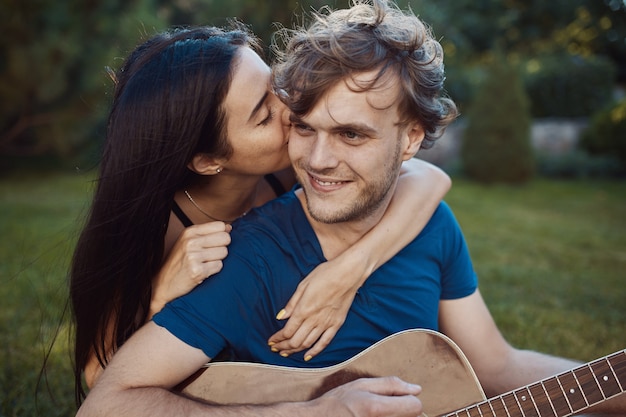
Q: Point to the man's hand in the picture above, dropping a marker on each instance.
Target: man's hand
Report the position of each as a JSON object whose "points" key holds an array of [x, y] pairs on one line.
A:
{"points": [[372, 397]]}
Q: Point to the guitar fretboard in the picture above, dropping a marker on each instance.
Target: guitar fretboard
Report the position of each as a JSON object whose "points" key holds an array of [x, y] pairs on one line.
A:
{"points": [[560, 396]]}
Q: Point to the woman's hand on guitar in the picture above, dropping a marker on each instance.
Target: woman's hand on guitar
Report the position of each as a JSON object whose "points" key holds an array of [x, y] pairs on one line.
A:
{"points": [[318, 308], [197, 254], [372, 397]]}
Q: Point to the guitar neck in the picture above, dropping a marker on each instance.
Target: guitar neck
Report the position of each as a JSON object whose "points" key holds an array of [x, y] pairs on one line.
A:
{"points": [[562, 395]]}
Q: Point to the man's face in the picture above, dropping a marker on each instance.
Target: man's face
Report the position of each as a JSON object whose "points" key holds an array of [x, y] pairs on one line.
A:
{"points": [[348, 150]]}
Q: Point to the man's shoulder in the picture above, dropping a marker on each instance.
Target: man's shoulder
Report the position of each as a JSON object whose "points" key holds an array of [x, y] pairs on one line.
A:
{"points": [[443, 214], [278, 223], [440, 225]]}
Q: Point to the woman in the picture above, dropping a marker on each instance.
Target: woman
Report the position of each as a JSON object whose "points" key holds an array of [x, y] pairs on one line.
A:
{"points": [[194, 135]]}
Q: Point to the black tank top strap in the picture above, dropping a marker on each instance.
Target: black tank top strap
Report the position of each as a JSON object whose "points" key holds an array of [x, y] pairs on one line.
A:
{"points": [[271, 179], [276, 185], [178, 212]]}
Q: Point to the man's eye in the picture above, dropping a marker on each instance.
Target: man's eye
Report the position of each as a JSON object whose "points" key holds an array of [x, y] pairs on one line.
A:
{"points": [[301, 127], [350, 135]]}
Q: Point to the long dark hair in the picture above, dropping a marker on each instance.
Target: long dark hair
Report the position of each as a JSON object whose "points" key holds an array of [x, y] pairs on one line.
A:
{"points": [[167, 107]]}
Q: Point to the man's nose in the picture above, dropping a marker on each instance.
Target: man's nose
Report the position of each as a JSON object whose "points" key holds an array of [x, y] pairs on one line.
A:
{"points": [[321, 153]]}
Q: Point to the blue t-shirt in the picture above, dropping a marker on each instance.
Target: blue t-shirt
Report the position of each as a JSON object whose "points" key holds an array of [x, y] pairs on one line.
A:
{"points": [[274, 247]]}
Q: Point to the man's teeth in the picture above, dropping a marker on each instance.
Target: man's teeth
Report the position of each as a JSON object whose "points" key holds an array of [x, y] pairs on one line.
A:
{"points": [[327, 183]]}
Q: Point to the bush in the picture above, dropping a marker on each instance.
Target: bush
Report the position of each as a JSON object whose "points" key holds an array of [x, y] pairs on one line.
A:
{"points": [[496, 144], [462, 84], [577, 164], [568, 86], [606, 134]]}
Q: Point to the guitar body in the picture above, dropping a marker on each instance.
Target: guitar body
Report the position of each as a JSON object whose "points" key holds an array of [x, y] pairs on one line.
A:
{"points": [[423, 357]]}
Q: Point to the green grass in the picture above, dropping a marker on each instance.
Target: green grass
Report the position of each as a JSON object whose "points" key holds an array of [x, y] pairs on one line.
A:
{"points": [[551, 260], [38, 224]]}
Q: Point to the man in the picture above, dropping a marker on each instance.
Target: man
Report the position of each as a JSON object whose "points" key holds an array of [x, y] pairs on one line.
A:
{"points": [[363, 86]]}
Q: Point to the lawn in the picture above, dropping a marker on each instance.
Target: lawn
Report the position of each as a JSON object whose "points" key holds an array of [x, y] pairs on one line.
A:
{"points": [[551, 260]]}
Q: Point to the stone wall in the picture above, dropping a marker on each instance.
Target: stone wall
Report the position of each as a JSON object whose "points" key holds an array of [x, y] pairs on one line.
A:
{"points": [[551, 136]]}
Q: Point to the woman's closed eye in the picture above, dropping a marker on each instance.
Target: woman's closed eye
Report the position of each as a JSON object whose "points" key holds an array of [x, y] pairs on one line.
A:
{"points": [[270, 116]]}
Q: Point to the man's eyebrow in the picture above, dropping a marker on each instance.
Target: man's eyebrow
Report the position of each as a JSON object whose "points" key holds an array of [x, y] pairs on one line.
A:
{"points": [[258, 106], [362, 128], [356, 127]]}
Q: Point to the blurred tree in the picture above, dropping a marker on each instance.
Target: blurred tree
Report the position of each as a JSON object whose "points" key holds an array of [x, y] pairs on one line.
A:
{"points": [[53, 81], [606, 134], [262, 17], [496, 143], [52, 56], [470, 30], [52, 77], [473, 27]]}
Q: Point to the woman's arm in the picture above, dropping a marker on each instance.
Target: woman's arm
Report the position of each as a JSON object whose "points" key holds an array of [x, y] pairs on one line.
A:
{"points": [[320, 304], [197, 254]]}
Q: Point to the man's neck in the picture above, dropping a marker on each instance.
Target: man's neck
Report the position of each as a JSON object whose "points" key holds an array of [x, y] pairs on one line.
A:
{"points": [[335, 238]]}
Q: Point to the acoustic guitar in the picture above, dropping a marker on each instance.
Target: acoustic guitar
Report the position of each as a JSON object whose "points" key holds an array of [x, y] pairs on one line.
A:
{"points": [[430, 359]]}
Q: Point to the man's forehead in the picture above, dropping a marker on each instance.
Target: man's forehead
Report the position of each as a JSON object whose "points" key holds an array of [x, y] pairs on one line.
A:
{"points": [[382, 90], [364, 102]]}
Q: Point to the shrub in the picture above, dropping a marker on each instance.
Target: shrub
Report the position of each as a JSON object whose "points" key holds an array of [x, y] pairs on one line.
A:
{"points": [[577, 164], [496, 144], [606, 134], [568, 86], [462, 82]]}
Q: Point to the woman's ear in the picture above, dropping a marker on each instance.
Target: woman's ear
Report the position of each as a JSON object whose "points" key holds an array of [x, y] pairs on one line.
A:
{"points": [[203, 164], [415, 136]]}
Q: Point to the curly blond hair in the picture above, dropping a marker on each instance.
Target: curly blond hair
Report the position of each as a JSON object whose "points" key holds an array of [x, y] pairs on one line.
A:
{"points": [[368, 36]]}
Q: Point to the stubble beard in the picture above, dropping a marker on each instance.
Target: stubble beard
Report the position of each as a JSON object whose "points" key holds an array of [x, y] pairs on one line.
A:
{"points": [[369, 200]]}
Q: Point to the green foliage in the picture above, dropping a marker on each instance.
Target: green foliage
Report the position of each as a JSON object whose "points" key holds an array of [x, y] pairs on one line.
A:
{"points": [[471, 28], [53, 81], [606, 135], [53, 54], [496, 142], [568, 86], [578, 164]]}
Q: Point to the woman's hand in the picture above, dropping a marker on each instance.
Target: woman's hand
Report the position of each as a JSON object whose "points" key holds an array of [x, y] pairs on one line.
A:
{"points": [[196, 255], [321, 302], [318, 308]]}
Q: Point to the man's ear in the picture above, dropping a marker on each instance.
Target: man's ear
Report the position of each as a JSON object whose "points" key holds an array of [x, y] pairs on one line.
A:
{"points": [[204, 164], [415, 136]]}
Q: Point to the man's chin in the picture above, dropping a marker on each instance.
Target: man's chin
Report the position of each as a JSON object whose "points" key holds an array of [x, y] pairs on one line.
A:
{"points": [[333, 216], [324, 215]]}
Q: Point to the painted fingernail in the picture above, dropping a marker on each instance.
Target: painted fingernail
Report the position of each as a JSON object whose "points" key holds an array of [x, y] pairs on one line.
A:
{"points": [[271, 343], [280, 314], [284, 354], [273, 349], [308, 358]]}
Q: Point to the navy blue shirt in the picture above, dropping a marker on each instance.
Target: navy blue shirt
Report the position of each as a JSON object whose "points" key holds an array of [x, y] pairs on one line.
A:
{"points": [[274, 247]]}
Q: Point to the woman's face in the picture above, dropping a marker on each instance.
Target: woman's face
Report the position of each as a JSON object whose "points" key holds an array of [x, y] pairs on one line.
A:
{"points": [[257, 121]]}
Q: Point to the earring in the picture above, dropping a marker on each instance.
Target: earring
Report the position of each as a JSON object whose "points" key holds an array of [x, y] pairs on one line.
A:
{"points": [[218, 170]]}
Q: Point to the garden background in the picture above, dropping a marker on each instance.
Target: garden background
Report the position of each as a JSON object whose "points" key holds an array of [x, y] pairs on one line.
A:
{"points": [[538, 159]]}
